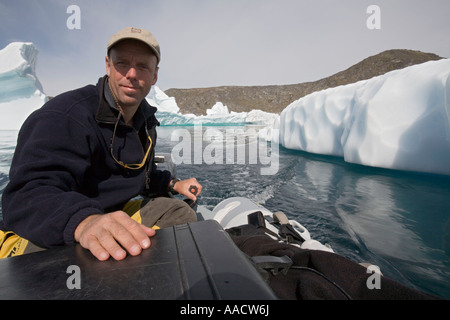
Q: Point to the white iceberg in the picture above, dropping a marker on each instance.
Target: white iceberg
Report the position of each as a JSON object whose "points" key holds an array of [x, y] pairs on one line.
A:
{"points": [[400, 120], [168, 113], [162, 101], [20, 90], [218, 109]]}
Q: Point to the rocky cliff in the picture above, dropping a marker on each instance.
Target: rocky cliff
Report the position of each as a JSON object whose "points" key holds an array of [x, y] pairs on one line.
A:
{"points": [[277, 97]]}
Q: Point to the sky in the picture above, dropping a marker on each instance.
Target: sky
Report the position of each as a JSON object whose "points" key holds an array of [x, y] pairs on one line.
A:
{"points": [[208, 43]]}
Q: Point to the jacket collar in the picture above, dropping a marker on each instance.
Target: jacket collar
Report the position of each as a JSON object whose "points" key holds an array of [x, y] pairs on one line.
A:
{"points": [[108, 113]]}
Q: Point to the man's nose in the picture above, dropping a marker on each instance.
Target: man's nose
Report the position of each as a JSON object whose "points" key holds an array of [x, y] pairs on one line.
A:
{"points": [[131, 73]]}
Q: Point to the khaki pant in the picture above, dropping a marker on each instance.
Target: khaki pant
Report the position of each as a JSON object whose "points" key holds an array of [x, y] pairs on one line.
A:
{"points": [[156, 212]]}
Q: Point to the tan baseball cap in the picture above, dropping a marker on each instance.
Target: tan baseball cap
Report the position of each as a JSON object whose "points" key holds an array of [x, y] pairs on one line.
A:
{"points": [[136, 34]]}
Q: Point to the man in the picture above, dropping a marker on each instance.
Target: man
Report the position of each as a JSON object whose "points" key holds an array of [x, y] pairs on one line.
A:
{"points": [[82, 157]]}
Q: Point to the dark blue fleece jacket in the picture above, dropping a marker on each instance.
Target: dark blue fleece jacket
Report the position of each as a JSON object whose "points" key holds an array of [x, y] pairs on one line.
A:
{"points": [[62, 170]]}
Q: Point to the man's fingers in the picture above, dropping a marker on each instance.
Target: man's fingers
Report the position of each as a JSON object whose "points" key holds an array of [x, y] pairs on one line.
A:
{"points": [[111, 242], [150, 233], [128, 233], [132, 235], [185, 187], [94, 246], [114, 235]]}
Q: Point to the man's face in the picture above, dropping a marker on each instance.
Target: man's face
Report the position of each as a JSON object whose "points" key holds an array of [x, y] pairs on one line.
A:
{"points": [[132, 70]]}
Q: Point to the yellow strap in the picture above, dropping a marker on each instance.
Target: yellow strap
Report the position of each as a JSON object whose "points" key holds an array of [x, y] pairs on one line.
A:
{"points": [[11, 244], [133, 209]]}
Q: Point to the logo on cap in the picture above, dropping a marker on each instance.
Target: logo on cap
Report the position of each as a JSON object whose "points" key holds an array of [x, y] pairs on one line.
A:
{"points": [[136, 30]]}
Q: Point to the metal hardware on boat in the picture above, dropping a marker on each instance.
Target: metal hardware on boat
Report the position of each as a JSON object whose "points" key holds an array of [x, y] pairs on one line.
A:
{"points": [[272, 264]]}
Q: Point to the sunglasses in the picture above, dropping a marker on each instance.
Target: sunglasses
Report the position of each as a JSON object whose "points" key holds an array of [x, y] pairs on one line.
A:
{"points": [[131, 166]]}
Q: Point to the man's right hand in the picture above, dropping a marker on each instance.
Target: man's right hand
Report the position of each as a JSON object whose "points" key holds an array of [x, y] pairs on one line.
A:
{"points": [[109, 234]]}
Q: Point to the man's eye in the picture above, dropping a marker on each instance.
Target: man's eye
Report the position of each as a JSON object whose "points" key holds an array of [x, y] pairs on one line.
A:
{"points": [[142, 67]]}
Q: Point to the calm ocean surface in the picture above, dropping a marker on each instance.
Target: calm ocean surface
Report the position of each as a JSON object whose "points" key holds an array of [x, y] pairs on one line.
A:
{"points": [[395, 220]]}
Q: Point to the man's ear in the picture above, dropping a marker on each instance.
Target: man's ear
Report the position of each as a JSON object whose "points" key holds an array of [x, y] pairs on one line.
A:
{"points": [[155, 78], [108, 66]]}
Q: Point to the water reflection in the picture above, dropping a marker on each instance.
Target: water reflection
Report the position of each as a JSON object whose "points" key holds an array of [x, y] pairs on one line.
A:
{"points": [[401, 220]]}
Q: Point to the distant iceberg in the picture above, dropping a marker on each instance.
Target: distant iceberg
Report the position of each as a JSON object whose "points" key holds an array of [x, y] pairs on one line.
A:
{"points": [[169, 114], [20, 90], [400, 120]]}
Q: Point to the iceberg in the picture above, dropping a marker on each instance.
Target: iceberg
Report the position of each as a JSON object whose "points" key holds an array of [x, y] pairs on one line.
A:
{"points": [[168, 114], [20, 90], [162, 101], [400, 120]]}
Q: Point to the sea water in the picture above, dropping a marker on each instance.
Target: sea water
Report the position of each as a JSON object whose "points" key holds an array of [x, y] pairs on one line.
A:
{"points": [[396, 220]]}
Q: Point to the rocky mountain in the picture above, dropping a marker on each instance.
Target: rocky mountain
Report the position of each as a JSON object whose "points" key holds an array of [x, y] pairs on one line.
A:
{"points": [[277, 97]]}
